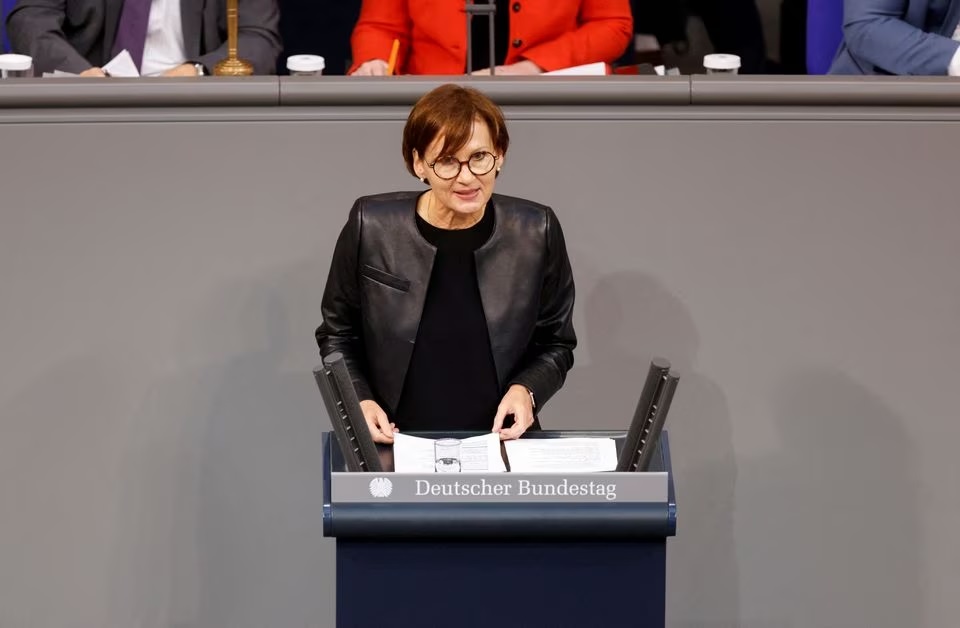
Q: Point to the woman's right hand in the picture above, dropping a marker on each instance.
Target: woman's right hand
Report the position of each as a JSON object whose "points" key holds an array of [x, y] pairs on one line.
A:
{"points": [[374, 67], [381, 429]]}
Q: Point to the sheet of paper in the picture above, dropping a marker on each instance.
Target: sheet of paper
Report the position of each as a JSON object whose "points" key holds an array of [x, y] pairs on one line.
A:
{"points": [[591, 69], [58, 74], [561, 455], [122, 65], [413, 454]]}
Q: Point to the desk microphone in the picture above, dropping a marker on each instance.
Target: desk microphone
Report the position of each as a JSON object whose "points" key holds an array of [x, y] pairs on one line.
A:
{"points": [[473, 9]]}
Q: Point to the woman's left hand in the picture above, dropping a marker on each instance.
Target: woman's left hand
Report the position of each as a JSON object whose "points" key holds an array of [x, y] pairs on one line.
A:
{"points": [[518, 403]]}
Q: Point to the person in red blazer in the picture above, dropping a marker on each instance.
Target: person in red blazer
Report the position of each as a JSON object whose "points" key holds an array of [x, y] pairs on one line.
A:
{"points": [[544, 35]]}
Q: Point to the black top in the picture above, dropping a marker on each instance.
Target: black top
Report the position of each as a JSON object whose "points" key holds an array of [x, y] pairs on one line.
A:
{"points": [[452, 380], [480, 33]]}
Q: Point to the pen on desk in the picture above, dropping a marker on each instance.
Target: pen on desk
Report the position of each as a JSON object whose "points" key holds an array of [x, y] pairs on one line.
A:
{"points": [[392, 63]]}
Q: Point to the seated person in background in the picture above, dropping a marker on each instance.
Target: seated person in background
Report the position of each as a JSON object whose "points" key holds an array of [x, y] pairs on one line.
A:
{"points": [[899, 37], [532, 36], [164, 37]]}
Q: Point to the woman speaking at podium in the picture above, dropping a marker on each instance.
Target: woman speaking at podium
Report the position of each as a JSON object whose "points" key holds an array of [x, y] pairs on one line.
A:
{"points": [[453, 306]]}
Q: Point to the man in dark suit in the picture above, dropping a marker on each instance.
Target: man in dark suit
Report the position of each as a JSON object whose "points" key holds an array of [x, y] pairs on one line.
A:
{"points": [[900, 37], [164, 37]]}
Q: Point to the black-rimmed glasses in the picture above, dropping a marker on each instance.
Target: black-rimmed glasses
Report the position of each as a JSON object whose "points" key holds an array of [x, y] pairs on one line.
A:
{"points": [[480, 163]]}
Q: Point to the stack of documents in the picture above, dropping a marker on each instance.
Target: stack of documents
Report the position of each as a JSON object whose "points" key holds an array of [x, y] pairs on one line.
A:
{"points": [[561, 455], [589, 69], [413, 454]]}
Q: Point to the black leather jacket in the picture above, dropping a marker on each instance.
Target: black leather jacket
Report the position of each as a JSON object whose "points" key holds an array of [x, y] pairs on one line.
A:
{"points": [[378, 283]]}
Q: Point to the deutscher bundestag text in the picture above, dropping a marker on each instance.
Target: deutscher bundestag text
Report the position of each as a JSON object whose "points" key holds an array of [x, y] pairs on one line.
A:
{"points": [[519, 488]]}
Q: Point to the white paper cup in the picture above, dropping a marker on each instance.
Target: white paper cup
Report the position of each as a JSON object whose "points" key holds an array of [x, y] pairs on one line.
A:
{"points": [[305, 65], [16, 66], [721, 64]]}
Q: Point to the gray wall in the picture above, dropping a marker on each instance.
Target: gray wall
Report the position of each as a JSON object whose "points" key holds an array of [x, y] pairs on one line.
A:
{"points": [[161, 280]]}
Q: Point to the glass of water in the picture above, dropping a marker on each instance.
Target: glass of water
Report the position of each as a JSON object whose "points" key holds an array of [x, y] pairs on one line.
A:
{"points": [[447, 455]]}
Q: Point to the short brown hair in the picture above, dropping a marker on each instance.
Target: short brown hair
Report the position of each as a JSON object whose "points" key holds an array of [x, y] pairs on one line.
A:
{"points": [[450, 110]]}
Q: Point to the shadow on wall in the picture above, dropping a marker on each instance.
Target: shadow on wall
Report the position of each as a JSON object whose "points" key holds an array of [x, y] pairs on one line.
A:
{"points": [[841, 538], [225, 485], [631, 318], [59, 462]]}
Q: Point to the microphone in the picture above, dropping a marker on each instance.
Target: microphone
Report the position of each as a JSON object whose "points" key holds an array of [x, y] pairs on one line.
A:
{"points": [[648, 419], [473, 9]]}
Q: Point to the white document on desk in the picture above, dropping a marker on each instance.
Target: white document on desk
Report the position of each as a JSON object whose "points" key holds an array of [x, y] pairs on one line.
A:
{"points": [[561, 455], [122, 66], [413, 454], [590, 69]]}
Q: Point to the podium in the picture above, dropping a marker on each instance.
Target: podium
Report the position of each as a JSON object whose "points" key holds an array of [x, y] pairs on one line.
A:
{"points": [[499, 549]]}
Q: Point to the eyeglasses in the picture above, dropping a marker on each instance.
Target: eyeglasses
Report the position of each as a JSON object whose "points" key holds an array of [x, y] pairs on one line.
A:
{"points": [[480, 163]]}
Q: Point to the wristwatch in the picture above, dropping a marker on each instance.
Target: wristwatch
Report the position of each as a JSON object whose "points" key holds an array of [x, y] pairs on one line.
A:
{"points": [[199, 69]]}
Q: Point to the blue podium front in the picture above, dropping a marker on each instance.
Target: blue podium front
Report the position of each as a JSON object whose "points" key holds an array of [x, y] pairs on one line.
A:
{"points": [[500, 549]]}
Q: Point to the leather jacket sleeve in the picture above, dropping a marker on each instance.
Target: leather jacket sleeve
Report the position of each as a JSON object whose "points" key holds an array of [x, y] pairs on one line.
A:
{"points": [[550, 354], [342, 327]]}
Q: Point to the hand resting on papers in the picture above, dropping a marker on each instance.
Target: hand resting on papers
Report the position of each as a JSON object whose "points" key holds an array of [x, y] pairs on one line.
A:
{"points": [[187, 69], [516, 402], [381, 429], [378, 67]]}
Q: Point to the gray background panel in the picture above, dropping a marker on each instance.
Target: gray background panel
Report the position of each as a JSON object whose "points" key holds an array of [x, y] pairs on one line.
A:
{"points": [[507, 90], [160, 430], [594, 92], [68, 93], [832, 91]]}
